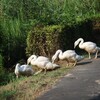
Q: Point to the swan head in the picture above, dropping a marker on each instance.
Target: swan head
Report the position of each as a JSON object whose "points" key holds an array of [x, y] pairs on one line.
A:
{"points": [[32, 57], [17, 65], [76, 43], [17, 69], [55, 56]]}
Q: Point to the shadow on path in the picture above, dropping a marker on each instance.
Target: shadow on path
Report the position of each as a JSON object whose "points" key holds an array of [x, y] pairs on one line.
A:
{"points": [[98, 56], [96, 97], [85, 62]]}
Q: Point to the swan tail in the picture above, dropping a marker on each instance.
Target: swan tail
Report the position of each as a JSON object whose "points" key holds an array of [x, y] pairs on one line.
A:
{"points": [[79, 58], [55, 66], [98, 48]]}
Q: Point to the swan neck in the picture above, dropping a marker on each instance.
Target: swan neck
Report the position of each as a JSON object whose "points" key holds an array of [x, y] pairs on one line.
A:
{"points": [[17, 67], [81, 43], [35, 57], [60, 55]]}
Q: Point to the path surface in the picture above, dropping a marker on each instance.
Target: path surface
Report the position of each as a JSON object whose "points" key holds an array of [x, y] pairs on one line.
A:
{"points": [[81, 83]]}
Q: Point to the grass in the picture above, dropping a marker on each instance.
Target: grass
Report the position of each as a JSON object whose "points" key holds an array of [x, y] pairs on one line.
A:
{"points": [[29, 88]]}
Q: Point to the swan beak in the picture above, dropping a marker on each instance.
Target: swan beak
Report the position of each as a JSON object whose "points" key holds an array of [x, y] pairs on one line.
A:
{"points": [[28, 63], [74, 46]]}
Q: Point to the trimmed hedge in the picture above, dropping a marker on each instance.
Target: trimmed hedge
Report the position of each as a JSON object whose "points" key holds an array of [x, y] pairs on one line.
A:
{"points": [[45, 40]]}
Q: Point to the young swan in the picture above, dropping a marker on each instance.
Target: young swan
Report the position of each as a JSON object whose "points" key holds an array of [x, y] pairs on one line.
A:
{"points": [[25, 70], [90, 47], [41, 62], [68, 55]]}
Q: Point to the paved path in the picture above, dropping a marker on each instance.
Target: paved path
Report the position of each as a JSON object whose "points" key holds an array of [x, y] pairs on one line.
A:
{"points": [[81, 83]]}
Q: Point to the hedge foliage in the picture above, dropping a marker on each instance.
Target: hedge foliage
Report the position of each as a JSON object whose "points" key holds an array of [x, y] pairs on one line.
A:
{"points": [[45, 40]]}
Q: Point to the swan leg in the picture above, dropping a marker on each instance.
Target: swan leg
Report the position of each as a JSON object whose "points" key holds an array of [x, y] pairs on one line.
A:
{"points": [[17, 76], [45, 71], [96, 54], [38, 72], [75, 63], [89, 55], [67, 63]]}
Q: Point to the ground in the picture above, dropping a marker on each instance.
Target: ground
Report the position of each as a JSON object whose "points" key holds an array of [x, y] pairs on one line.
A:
{"points": [[81, 83]]}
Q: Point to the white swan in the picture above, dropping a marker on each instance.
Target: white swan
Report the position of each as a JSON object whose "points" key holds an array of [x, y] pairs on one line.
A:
{"points": [[34, 57], [69, 56], [42, 62], [25, 70], [90, 47]]}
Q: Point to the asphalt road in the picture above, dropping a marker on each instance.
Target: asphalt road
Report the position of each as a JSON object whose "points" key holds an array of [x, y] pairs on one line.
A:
{"points": [[81, 83]]}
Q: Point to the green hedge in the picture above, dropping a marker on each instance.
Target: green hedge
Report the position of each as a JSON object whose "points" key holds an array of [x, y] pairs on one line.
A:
{"points": [[43, 40]]}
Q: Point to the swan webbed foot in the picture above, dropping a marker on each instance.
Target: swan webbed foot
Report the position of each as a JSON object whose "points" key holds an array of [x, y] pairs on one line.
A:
{"points": [[74, 64], [96, 55], [89, 57], [38, 72]]}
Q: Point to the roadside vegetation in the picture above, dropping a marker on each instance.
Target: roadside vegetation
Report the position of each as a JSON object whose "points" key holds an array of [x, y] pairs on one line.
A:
{"points": [[29, 88], [41, 27]]}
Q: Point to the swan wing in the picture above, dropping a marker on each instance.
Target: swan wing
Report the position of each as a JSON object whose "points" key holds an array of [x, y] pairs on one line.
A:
{"points": [[41, 64], [89, 46], [42, 58], [69, 53]]}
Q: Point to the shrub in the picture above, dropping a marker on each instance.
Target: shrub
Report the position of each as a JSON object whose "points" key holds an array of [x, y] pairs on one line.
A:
{"points": [[43, 40], [1, 66], [13, 41], [65, 12], [5, 76]]}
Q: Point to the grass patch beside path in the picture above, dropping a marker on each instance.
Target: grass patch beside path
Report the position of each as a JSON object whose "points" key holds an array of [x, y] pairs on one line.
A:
{"points": [[28, 88]]}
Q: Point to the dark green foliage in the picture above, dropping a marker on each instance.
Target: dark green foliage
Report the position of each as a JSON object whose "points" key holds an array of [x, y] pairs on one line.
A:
{"points": [[5, 76], [13, 41], [1, 66], [66, 12]]}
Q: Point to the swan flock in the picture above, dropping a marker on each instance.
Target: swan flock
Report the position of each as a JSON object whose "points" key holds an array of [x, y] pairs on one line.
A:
{"points": [[44, 63]]}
